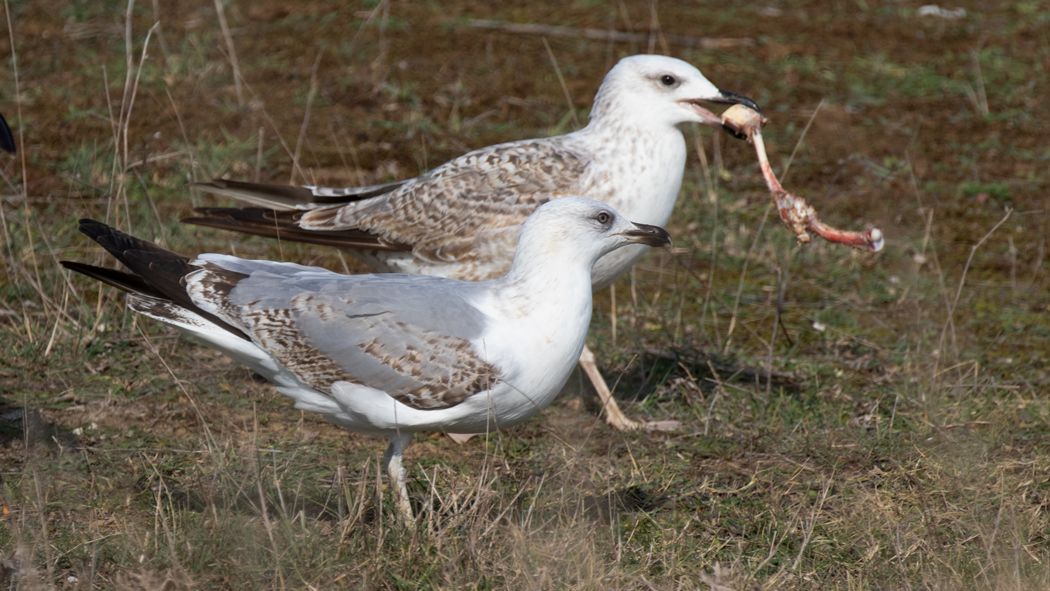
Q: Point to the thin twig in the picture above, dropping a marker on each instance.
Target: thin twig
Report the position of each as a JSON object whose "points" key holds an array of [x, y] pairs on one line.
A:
{"points": [[193, 399], [655, 32], [306, 117], [798, 144], [712, 198], [812, 522], [561, 80], [962, 280], [980, 98], [259, 155], [773, 338], [630, 29], [231, 52], [740, 285], [721, 388], [22, 154], [189, 147]]}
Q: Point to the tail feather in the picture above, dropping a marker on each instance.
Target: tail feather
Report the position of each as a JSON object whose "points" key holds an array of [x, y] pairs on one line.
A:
{"points": [[156, 272], [159, 268], [284, 225], [119, 279], [288, 197]]}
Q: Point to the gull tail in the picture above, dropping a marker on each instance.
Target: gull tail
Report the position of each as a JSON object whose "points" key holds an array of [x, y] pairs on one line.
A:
{"points": [[292, 198], [156, 285], [284, 225]]}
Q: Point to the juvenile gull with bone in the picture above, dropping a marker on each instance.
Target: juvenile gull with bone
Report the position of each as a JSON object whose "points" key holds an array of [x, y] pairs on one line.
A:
{"points": [[462, 219], [392, 354]]}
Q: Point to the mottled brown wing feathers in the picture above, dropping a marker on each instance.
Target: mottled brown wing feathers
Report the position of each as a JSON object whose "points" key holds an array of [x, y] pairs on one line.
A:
{"points": [[436, 216], [319, 337], [491, 188]]}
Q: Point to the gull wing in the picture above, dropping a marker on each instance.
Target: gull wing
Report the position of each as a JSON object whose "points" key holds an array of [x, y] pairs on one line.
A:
{"points": [[437, 216], [408, 335]]}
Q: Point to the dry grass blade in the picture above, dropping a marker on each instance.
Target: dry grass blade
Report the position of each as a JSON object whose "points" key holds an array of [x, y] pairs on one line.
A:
{"points": [[740, 283], [954, 304], [801, 137], [561, 81], [311, 94], [220, 12]]}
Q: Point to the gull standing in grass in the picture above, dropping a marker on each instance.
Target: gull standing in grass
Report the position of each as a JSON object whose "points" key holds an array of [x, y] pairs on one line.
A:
{"points": [[392, 354], [462, 219]]}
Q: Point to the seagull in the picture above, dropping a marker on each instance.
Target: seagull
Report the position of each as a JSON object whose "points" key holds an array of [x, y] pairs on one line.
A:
{"points": [[391, 354], [462, 219]]}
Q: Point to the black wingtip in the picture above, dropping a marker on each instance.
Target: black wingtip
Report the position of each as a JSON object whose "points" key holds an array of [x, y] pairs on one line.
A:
{"points": [[137, 254], [155, 271], [7, 139], [108, 237], [92, 228], [125, 281]]}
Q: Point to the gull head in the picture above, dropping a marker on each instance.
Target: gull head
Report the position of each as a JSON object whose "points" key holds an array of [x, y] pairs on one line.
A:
{"points": [[584, 230], [660, 90]]}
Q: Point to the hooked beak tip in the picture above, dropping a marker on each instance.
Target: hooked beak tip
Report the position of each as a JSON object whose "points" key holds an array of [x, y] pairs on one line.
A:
{"points": [[732, 98], [654, 236]]}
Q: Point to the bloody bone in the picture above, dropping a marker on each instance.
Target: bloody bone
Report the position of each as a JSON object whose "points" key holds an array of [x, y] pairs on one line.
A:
{"points": [[794, 212]]}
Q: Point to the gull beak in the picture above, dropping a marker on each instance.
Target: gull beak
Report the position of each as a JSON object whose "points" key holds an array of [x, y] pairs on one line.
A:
{"points": [[654, 236], [724, 97], [731, 98]]}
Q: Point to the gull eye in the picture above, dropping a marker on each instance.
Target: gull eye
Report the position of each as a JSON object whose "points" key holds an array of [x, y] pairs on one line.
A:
{"points": [[668, 80], [603, 217]]}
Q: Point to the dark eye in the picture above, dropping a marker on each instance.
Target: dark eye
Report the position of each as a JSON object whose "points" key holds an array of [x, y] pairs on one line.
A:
{"points": [[603, 217], [668, 80]]}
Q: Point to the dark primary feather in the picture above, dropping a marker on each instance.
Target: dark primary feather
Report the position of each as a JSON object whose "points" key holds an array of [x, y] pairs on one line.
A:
{"points": [[292, 196], [156, 272], [119, 279], [7, 139], [283, 225]]}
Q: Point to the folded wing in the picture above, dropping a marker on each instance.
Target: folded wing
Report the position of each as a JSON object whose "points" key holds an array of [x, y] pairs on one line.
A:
{"points": [[437, 216], [410, 336]]}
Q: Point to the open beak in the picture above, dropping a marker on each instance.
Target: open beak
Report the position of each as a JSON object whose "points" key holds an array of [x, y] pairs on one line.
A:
{"points": [[724, 98], [654, 236]]}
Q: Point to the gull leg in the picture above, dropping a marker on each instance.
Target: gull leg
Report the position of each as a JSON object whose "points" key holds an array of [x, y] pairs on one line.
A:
{"points": [[613, 415], [392, 458]]}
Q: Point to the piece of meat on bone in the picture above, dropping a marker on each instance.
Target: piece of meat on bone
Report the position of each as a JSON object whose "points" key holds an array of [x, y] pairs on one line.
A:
{"points": [[794, 212]]}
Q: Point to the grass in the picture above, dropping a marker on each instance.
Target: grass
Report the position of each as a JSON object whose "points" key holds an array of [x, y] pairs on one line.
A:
{"points": [[901, 441]]}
